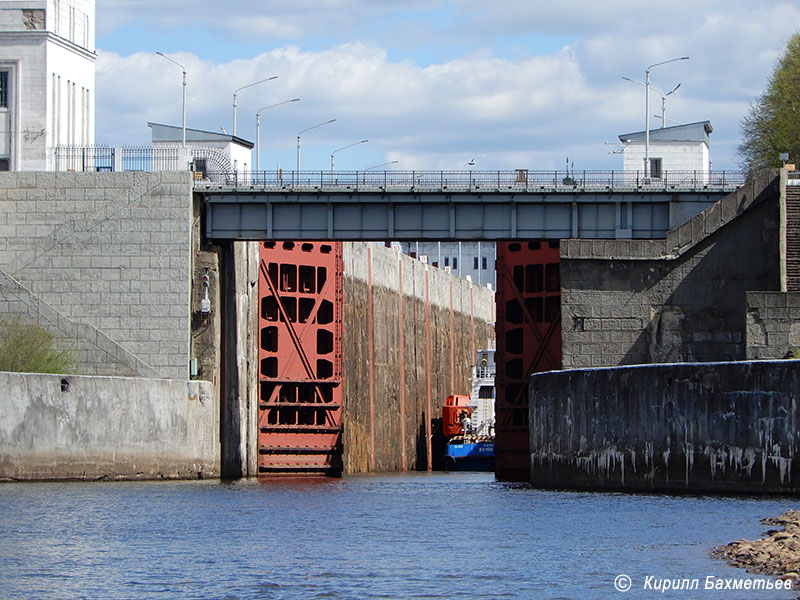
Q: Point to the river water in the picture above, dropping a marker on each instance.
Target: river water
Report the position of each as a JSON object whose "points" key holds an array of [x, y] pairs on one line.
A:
{"points": [[443, 535]]}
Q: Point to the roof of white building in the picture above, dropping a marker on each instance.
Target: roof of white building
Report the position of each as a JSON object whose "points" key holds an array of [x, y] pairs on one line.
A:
{"points": [[691, 132], [170, 133]]}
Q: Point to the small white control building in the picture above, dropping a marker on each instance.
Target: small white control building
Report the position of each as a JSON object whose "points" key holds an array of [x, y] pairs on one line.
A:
{"points": [[683, 148], [47, 80], [235, 150]]}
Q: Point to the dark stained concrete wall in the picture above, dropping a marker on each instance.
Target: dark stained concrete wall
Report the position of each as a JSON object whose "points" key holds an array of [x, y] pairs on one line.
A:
{"points": [[632, 303], [704, 427], [472, 310]]}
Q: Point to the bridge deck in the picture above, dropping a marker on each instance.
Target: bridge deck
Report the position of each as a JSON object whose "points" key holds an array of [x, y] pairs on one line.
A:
{"points": [[458, 205]]}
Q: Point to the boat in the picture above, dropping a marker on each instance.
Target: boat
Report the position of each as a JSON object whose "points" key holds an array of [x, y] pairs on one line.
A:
{"points": [[468, 421]]}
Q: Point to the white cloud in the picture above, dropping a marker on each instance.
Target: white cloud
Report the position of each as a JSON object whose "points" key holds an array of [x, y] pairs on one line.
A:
{"points": [[442, 108]]}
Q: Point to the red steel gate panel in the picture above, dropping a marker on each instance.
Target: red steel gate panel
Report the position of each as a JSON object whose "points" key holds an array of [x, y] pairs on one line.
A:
{"points": [[300, 358], [528, 341]]}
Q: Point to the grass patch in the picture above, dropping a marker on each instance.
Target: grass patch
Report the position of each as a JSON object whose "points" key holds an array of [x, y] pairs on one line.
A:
{"points": [[30, 349]]}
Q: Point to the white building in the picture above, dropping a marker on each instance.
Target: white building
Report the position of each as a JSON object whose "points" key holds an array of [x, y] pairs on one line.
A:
{"points": [[682, 148], [235, 150], [47, 79], [464, 259]]}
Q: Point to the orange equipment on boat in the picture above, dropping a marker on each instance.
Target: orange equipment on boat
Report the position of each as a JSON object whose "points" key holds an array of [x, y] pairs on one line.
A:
{"points": [[452, 413]]}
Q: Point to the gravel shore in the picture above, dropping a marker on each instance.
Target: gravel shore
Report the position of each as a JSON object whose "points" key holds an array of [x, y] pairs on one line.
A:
{"points": [[776, 554]]}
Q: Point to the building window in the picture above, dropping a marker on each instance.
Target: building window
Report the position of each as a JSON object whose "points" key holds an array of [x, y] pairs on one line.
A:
{"points": [[3, 89], [483, 263], [475, 264], [446, 261], [655, 168], [455, 262]]}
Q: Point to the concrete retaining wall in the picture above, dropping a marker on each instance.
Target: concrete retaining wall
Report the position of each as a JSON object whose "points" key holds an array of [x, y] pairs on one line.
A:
{"points": [[705, 427], [73, 427]]}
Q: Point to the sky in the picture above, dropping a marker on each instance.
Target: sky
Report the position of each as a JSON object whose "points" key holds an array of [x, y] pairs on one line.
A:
{"points": [[436, 84]]}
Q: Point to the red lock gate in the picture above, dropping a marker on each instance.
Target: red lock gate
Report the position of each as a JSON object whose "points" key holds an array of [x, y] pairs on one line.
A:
{"points": [[300, 358], [528, 330]]}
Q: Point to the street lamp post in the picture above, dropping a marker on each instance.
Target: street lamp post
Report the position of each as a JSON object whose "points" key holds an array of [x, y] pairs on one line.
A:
{"points": [[258, 129], [364, 175], [664, 104], [663, 98], [391, 162], [344, 148], [242, 88], [183, 126], [298, 144], [647, 111]]}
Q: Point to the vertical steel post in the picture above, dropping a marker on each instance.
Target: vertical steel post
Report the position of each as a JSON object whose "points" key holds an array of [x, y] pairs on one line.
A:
{"points": [[370, 342], [452, 346], [428, 416], [402, 363]]}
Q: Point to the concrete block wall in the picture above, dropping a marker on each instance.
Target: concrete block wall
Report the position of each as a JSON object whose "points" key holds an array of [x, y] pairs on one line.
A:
{"points": [[72, 427], [110, 255], [773, 324], [630, 302], [701, 427]]}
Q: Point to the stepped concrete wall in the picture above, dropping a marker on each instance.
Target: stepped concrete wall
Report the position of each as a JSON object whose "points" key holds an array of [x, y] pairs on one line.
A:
{"points": [[681, 299], [78, 427], [102, 260], [700, 427]]}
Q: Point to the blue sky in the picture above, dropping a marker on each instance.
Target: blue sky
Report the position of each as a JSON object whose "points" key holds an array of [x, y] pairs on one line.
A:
{"points": [[435, 83]]}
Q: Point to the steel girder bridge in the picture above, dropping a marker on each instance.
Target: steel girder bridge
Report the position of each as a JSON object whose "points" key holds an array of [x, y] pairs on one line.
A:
{"points": [[454, 205]]}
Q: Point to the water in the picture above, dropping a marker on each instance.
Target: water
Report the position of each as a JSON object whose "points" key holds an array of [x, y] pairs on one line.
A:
{"points": [[456, 535]]}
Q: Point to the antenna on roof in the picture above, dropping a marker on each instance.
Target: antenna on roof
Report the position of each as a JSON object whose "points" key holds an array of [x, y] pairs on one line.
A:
{"points": [[223, 130]]}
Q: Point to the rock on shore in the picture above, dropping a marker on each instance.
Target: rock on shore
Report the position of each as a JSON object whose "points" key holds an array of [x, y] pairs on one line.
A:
{"points": [[777, 554]]}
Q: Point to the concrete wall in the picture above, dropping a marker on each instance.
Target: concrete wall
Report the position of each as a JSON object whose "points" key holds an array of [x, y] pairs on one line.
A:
{"points": [[103, 261], [773, 324], [630, 302], [707, 427], [72, 427], [456, 316]]}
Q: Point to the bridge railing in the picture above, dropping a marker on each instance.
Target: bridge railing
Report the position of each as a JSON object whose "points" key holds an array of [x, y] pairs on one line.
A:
{"points": [[518, 180]]}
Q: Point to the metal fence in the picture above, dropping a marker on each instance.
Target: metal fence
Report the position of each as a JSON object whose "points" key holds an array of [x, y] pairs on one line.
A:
{"points": [[108, 158], [475, 181]]}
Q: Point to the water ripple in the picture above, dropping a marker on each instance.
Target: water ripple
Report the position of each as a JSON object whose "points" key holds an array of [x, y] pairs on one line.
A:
{"points": [[367, 537]]}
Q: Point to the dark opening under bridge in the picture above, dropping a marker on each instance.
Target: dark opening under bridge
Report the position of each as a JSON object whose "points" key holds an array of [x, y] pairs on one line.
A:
{"points": [[455, 205]]}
